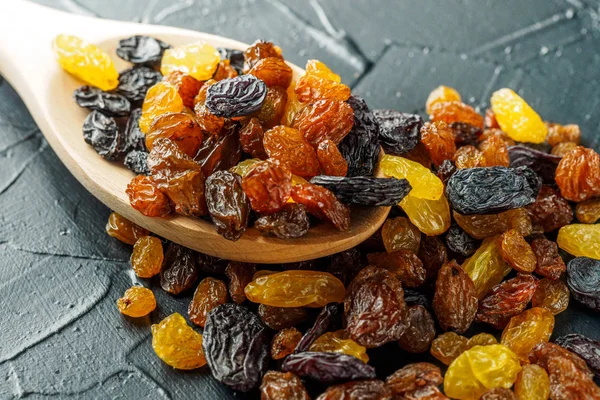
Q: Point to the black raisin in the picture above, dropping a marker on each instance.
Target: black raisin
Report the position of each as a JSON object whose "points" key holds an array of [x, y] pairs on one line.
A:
{"points": [[111, 104], [465, 134], [460, 242], [398, 132], [102, 133], [235, 57], [327, 367], [134, 137], [365, 190], [135, 82], [141, 50], [445, 170], [236, 97], [135, 160], [584, 347], [328, 320], [583, 278]]}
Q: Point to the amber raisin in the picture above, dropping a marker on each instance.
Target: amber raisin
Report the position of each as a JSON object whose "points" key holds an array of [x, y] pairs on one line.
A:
{"points": [[147, 256], [225, 71], [187, 86], [331, 160], [121, 228], [494, 152], [177, 344], [251, 137], [284, 342], [552, 295], [404, 264], [182, 129], [324, 119], [273, 71], [468, 157], [145, 197], [273, 108], [447, 346], [257, 51], [549, 263], [490, 119], [311, 88], [562, 149], [288, 146], [323, 204], [517, 252], [339, 342], [441, 94], [532, 383], [528, 329], [268, 186], [588, 211], [399, 233], [137, 301], [562, 133], [438, 139], [456, 111], [207, 121], [209, 294], [578, 174]]}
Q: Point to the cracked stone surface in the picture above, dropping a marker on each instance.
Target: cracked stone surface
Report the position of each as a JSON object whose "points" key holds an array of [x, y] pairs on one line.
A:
{"points": [[60, 275]]}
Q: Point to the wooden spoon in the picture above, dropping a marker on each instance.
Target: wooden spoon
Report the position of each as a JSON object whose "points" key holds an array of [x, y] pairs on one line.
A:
{"points": [[27, 62]]}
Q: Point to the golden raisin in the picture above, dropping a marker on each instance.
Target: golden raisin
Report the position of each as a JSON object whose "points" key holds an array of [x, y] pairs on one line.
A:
{"points": [[468, 157], [580, 240], [137, 301], [532, 383], [439, 95], [121, 228], [517, 252], [186, 85], [526, 330], [147, 256], [399, 233], [425, 184], [319, 69], [517, 118], [199, 59], [432, 217], [588, 211], [486, 267], [578, 174], [339, 342], [177, 344]]}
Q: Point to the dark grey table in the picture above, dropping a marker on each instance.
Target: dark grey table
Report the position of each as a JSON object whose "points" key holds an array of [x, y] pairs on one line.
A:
{"points": [[60, 275]]}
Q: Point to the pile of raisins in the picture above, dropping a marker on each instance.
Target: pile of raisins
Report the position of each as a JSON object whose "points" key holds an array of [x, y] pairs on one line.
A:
{"points": [[482, 205]]}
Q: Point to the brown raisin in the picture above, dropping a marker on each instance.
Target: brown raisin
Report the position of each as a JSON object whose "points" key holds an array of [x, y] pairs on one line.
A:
{"points": [[550, 210], [239, 274], [273, 107], [282, 385], [404, 264], [369, 389], [251, 137], [323, 204], [179, 272], [433, 254], [145, 197], [549, 263], [413, 377], [420, 330], [291, 221], [331, 160], [455, 298], [209, 294], [284, 342], [278, 318], [588, 211]]}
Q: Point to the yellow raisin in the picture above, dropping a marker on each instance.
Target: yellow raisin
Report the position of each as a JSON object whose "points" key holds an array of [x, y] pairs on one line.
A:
{"points": [[425, 184], [486, 267], [147, 256], [532, 383], [339, 342], [447, 346], [85, 61], [432, 217], [161, 98], [441, 94], [580, 240], [137, 301], [517, 118], [199, 59], [317, 68], [524, 331], [177, 344]]}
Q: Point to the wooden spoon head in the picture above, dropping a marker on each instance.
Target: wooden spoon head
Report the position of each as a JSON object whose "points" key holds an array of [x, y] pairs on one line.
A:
{"points": [[107, 181]]}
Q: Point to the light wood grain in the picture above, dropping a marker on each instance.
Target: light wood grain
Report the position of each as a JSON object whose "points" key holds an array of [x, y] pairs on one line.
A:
{"points": [[29, 65]]}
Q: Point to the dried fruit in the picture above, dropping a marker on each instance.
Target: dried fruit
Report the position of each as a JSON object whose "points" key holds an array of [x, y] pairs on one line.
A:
{"points": [[578, 174], [583, 275], [481, 339], [240, 275], [432, 217], [404, 264], [258, 51], [145, 197], [517, 252], [137, 301], [486, 267], [468, 157], [331, 160], [445, 170], [236, 346], [492, 190], [364, 190], [147, 256], [532, 383], [486, 225], [460, 242], [550, 210], [273, 108], [339, 342], [549, 263], [177, 344], [284, 342], [374, 308], [227, 204], [562, 149], [586, 348], [312, 88], [135, 82], [438, 139], [441, 94], [268, 186], [528, 329], [542, 163], [85, 61], [494, 152], [319, 69], [433, 253], [580, 240], [420, 330], [102, 133], [369, 389], [545, 351], [160, 99], [296, 288], [288, 146], [236, 97], [466, 134], [506, 300], [140, 49], [323, 204], [282, 385], [399, 233], [567, 382], [198, 59], [414, 377], [562, 133], [455, 111], [181, 128], [136, 161], [447, 346], [209, 294], [278, 318], [324, 119], [479, 369], [179, 272], [498, 394], [552, 295], [328, 319], [221, 152], [455, 300], [399, 132], [134, 137], [588, 211], [273, 71], [424, 183], [110, 104], [327, 367], [251, 137], [517, 118], [121, 228]]}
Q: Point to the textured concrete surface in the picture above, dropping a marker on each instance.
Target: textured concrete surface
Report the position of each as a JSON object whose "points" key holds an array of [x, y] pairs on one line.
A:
{"points": [[60, 333]]}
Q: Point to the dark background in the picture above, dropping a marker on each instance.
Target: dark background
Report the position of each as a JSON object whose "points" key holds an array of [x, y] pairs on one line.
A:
{"points": [[61, 335]]}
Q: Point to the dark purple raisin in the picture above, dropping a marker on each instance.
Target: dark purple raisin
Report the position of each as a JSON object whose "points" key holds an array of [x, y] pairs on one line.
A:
{"points": [[460, 242], [102, 133], [328, 320], [111, 104], [227, 204], [399, 132], [445, 170], [583, 278], [135, 82], [542, 163], [136, 161], [327, 367], [584, 347], [364, 190], [134, 137], [141, 50], [236, 97]]}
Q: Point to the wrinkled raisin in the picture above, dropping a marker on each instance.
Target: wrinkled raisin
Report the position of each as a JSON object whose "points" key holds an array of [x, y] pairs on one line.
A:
{"points": [[209, 294], [455, 299]]}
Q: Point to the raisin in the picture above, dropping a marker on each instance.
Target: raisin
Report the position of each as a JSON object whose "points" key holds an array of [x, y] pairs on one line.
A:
{"points": [[583, 346], [282, 385], [490, 120], [257, 51], [236, 346], [178, 176], [323, 204], [447, 346], [365, 190], [251, 138], [532, 383], [273, 108], [179, 272], [484, 226], [327, 320], [85, 61], [227, 204], [319, 69], [134, 137], [324, 119], [296, 288], [279, 318], [486, 267], [481, 339], [160, 99], [268, 186], [414, 298], [432, 217], [290, 222], [312, 88], [239, 274], [517, 118], [433, 254], [102, 133], [455, 300], [494, 152], [543, 164], [235, 58], [140, 49], [460, 242], [455, 111], [288, 146], [578, 174], [545, 351], [562, 133], [438, 139], [506, 300], [177, 344], [360, 147], [492, 190], [181, 128], [284, 342], [145, 197], [550, 210], [549, 262], [413, 377], [404, 264], [210, 264], [552, 295], [526, 330], [517, 252], [567, 382], [346, 265], [187, 86], [209, 294], [207, 121], [420, 330], [465, 134], [445, 170], [137, 301], [327, 367], [424, 183], [374, 308], [339, 342], [273, 71], [498, 393], [588, 211], [136, 161], [224, 70], [468, 157], [481, 368], [110, 104], [580, 240], [198, 59], [399, 233], [292, 106], [147, 256], [135, 82], [220, 152], [369, 389], [121, 228], [331, 160], [236, 97], [399, 132], [562, 149], [441, 94], [583, 275]]}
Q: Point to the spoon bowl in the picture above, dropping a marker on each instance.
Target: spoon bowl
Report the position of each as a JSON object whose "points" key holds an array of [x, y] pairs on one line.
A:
{"points": [[29, 65]]}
